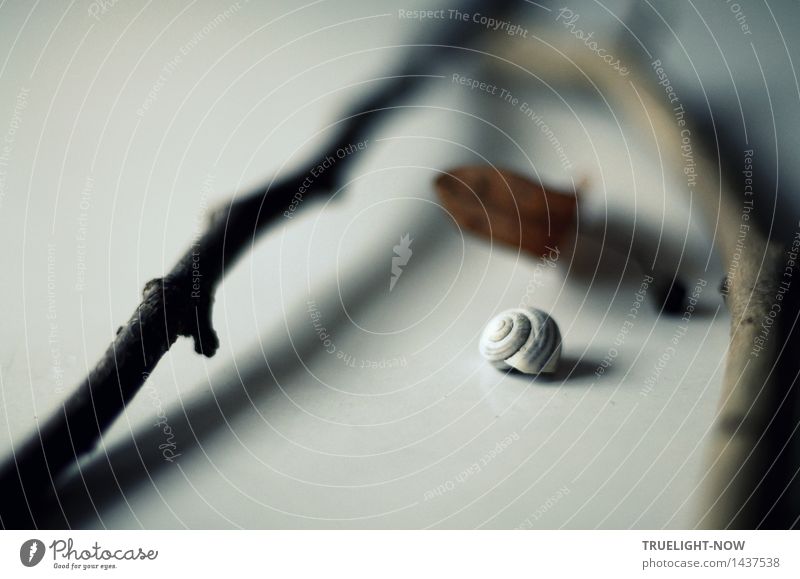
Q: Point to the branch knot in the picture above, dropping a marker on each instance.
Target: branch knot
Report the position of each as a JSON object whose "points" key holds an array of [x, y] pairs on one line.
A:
{"points": [[187, 312]]}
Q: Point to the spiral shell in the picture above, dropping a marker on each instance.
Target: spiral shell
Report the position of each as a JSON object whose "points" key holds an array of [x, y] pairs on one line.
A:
{"points": [[523, 339]]}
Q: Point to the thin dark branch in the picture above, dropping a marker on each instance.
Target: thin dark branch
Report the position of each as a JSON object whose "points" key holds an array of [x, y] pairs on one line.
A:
{"points": [[180, 303]]}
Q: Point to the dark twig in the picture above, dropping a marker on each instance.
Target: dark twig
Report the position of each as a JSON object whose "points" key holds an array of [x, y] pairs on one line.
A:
{"points": [[180, 303]]}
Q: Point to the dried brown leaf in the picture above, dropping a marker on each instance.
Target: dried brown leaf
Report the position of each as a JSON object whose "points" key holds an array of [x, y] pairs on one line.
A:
{"points": [[508, 208]]}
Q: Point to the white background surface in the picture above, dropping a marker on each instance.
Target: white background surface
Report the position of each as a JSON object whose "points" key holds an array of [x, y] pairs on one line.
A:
{"points": [[274, 432]]}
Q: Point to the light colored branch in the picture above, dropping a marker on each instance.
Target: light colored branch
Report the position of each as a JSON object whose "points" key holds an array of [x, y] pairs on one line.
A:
{"points": [[740, 453]]}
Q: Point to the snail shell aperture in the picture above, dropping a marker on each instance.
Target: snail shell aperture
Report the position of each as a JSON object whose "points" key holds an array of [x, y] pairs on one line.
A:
{"points": [[523, 339]]}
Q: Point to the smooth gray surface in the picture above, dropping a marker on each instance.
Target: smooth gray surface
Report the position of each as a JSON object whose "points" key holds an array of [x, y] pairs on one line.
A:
{"points": [[399, 426]]}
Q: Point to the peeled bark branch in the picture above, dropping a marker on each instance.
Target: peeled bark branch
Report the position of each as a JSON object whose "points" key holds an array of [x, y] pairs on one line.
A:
{"points": [[751, 467]]}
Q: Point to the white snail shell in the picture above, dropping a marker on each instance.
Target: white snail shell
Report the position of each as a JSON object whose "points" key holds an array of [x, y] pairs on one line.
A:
{"points": [[523, 339]]}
